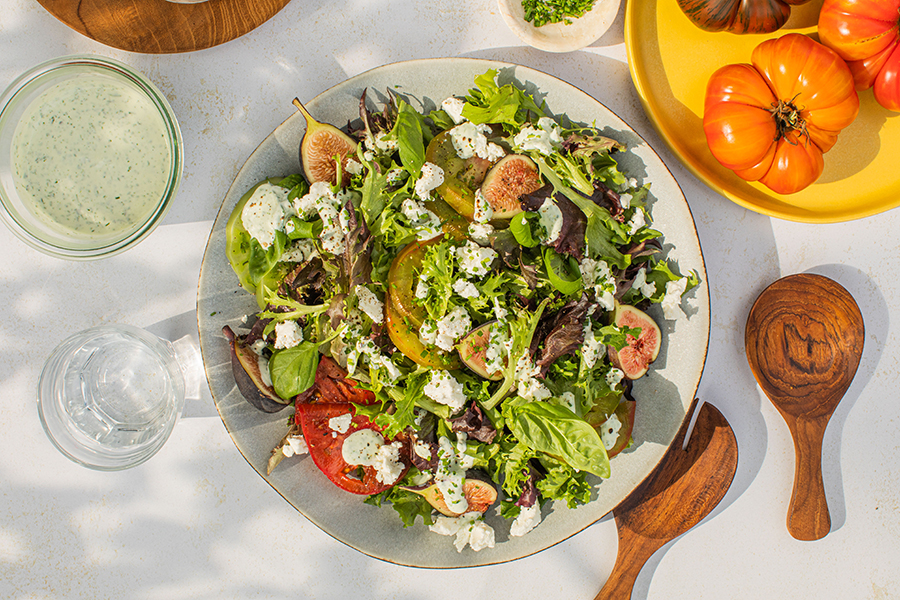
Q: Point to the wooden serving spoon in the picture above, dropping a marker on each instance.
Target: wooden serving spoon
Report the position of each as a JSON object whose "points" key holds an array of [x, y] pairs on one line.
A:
{"points": [[685, 487], [804, 339]]}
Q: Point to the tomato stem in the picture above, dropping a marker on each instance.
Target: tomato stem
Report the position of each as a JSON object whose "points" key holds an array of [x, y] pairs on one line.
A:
{"points": [[788, 119]]}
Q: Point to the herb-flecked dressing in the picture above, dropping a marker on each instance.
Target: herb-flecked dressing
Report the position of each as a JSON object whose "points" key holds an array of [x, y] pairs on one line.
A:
{"points": [[91, 157]]}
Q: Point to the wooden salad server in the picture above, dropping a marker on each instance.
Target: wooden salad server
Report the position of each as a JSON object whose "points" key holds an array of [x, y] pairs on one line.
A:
{"points": [[804, 339], [683, 488]]}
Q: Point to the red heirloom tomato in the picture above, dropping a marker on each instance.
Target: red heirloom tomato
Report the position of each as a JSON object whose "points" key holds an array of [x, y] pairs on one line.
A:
{"points": [[739, 16], [772, 121], [326, 445], [865, 34]]}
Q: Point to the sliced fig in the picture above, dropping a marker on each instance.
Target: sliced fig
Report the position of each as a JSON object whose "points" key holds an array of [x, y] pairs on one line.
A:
{"points": [[248, 377], [473, 350], [322, 146], [511, 178], [479, 494], [635, 358]]}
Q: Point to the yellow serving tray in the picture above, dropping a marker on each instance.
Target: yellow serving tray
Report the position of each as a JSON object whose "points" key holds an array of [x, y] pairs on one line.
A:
{"points": [[671, 60]]}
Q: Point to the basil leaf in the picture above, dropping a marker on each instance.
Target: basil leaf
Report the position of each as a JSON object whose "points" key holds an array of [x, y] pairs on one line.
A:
{"points": [[557, 431], [408, 131], [261, 261], [293, 370], [520, 226], [562, 271], [309, 230]]}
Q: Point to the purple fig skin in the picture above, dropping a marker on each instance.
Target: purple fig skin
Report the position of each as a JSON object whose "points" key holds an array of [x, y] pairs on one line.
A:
{"points": [[247, 377]]}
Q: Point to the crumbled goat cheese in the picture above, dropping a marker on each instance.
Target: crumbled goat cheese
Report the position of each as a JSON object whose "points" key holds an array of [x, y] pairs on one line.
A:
{"points": [[640, 283], [329, 208], [484, 212], [637, 221], [481, 233], [288, 334], [426, 223], [450, 476], [306, 205], [353, 167], [379, 144], [469, 528], [369, 303], [527, 385], [294, 445], [387, 463], [474, 260], [443, 388], [568, 400], [377, 360], [544, 138], [591, 348], [447, 330], [264, 214], [551, 220], [597, 275], [671, 302], [497, 353], [340, 423], [614, 377], [421, 289], [529, 517], [430, 177], [499, 312], [454, 107], [609, 431], [469, 140], [466, 289]]}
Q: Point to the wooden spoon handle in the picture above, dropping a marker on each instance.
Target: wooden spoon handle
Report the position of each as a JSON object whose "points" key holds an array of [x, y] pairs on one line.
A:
{"points": [[634, 551], [808, 517]]}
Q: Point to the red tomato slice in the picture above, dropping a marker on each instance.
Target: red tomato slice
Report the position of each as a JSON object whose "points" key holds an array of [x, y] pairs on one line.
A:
{"points": [[325, 446]]}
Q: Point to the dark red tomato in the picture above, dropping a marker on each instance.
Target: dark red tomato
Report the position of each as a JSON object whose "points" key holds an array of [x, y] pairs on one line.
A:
{"points": [[332, 385], [325, 446]]}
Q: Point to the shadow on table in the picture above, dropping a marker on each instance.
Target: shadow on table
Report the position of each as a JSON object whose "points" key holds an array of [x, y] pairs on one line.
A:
{"points": [[876, 318], [181, 330]]}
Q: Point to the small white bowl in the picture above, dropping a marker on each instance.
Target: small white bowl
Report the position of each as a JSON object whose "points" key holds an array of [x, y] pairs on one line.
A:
{"points": [[560, 37], [75, 134]]}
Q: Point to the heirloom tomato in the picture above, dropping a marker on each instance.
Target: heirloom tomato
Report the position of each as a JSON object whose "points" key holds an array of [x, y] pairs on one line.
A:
{"points": [[739, 16], [326, 446], [865, 34], [772, 120]]}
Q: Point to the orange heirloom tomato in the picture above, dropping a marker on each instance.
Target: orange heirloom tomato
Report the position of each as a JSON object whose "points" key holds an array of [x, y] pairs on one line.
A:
{"points": [[772, 120], [866, 33]]}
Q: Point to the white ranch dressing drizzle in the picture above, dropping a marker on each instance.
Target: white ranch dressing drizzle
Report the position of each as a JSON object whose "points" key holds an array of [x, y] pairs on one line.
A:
{"points": [[91, 157]]}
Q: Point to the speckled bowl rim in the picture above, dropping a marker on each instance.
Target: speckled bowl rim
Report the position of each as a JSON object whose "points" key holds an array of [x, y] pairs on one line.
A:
{"points": [[665, 393]]}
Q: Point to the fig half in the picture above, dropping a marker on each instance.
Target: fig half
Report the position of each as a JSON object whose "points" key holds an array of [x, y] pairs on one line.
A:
{"points": [[248, 377], [322, 147], [635, 358], [511, 178], [473, 351], [479, 494]]}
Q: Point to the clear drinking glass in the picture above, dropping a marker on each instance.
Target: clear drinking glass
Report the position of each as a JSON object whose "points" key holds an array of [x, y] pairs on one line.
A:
{"points": [[109, 396]]}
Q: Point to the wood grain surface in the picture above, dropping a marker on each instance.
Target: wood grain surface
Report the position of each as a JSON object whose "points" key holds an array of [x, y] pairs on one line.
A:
{"points": [[685, 487], [804, 339], [161, 27]]}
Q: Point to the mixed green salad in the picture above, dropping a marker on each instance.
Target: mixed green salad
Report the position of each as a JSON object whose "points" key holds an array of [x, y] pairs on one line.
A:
{"points": [[453, 303]]}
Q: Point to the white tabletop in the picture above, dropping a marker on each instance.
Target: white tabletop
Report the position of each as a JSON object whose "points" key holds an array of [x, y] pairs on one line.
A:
{"points": [[197, 522]]}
